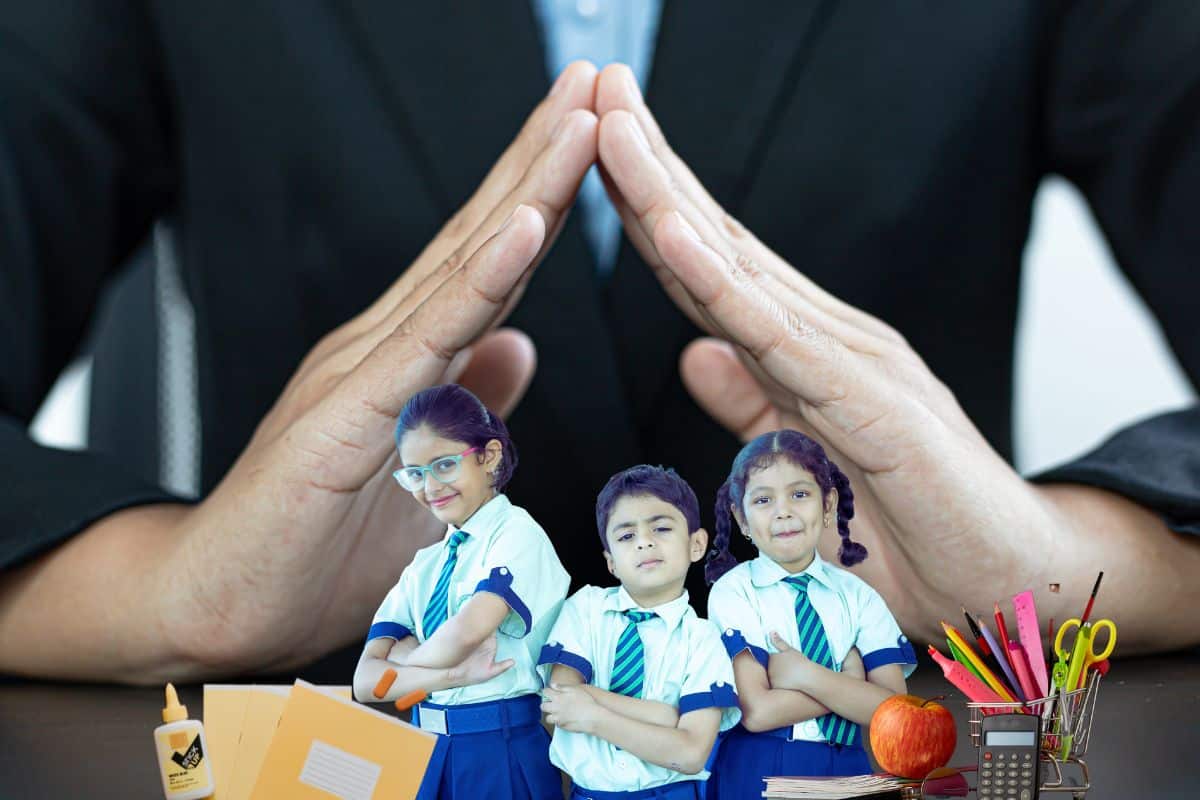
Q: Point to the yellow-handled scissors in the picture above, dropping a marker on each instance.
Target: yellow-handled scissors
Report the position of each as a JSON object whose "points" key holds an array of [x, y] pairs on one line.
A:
{"points": [[1083, 651]]}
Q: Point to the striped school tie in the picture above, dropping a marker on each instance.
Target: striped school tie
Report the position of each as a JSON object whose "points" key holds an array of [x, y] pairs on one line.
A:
{"points": [[439, 602], [629, 665], [815, 645]]}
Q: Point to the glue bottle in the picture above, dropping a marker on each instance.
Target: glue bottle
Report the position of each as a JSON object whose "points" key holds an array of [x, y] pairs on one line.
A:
{"points": [[182, 753]]}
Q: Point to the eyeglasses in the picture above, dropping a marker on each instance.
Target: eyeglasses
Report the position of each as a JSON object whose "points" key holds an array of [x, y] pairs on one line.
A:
{"points": [[445, 469]]}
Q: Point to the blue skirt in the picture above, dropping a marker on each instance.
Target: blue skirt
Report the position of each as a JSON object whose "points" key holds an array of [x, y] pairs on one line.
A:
{"points": [[745, 758], [683, 790], [512, 763]]}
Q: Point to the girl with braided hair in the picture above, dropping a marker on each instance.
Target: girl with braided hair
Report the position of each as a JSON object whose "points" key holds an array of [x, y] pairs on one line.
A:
{"points": [[815, 649]]}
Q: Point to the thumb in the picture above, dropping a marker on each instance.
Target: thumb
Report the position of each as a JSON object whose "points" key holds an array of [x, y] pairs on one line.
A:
{"points": [[780, 644], [499, 369], [725, 389]]}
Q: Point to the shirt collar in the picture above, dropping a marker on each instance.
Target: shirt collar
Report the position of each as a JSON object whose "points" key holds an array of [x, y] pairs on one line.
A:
{"points": [[672, 612], [764, 571], [485, 521]]}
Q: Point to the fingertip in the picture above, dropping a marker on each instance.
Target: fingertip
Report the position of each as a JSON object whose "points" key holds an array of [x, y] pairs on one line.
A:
{"points": [[525, 230], [613, 88], [575, 86]]}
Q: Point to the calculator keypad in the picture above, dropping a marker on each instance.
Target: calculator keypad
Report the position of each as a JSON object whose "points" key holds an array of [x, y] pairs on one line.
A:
{"points": [[1006, 775]]}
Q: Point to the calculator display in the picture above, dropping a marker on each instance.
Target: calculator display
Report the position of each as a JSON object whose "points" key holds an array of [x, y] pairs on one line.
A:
{"points": [[1010, 738]]}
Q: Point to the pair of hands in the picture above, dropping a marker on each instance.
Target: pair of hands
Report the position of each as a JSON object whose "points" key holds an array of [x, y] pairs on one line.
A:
{"points": [[789, 668], [293, 549], [571, 707]]}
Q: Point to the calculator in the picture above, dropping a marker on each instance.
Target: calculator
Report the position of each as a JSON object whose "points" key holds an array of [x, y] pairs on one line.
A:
{"points": [[1008, 757]]}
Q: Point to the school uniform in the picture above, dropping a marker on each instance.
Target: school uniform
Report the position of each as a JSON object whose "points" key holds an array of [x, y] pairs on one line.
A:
{"points": [[683, 664], [490, 739], [838, 611]]}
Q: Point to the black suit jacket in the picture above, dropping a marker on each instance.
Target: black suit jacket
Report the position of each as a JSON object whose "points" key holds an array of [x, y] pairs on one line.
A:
{"points": [[308, 149]]}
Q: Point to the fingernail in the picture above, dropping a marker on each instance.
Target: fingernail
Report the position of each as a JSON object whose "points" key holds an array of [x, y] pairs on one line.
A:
{"points": [[508, 221], [687, 228]]}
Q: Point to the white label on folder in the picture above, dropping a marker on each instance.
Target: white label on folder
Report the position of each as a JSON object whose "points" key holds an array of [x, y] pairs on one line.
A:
{"points": [[340, 773]]}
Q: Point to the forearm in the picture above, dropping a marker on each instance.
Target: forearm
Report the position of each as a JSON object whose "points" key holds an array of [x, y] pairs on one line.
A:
{"points": [[846, 695], [452, 643], [1148, 569], [105, 605], [649, 711], [767, 709], [666, 746], [408, 679]]}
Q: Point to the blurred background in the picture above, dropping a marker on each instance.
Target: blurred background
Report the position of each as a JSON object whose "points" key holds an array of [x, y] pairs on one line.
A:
{"points": [[1090, 359]]}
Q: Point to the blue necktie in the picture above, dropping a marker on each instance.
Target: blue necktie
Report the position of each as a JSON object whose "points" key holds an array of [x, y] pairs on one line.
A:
{"points": [[815, 645], [438, 609], [629, 664]]}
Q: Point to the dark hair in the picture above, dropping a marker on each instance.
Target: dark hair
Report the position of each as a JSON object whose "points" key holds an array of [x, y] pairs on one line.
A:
{"points": [[452, 412], [661, 482], [760, 453]]}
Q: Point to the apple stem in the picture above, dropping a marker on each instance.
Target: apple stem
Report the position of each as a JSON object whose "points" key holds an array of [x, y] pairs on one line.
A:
{"points": [[932, 699]]}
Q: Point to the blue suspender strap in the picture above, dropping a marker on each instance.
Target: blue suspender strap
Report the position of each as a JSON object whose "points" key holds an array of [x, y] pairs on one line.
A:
{"points": [[681, 790], [479, 717]]}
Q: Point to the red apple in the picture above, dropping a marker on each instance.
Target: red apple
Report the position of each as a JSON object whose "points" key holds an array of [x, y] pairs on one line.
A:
{"points": [[912, 737]]}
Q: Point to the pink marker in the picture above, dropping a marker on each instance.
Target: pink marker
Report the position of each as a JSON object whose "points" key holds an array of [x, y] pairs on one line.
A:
{"points": [[1020, 662], [975, 690]]}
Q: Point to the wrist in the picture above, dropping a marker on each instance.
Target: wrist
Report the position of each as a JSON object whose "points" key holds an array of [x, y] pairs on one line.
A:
{"points": [[599, 722]]}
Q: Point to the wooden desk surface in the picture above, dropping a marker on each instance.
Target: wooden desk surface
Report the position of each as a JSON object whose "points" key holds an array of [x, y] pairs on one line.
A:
{"points": [[82, 742]]}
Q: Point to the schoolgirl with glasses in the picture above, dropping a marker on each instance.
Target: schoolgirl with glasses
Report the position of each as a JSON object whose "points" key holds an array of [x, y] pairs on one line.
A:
{"points": [[469, 616]]}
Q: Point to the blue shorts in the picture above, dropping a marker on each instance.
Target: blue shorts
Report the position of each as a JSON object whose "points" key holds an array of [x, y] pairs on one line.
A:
{"points": [[498, 750], [745, 758]]}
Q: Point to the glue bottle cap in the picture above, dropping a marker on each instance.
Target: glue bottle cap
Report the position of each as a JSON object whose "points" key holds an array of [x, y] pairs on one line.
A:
{"points": [[174, 712]]}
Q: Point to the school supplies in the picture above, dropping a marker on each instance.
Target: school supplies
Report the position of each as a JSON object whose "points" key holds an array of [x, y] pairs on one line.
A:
{"points": [[879, 787], [1008, 754], [1030, 634], [1001, 628], [1082, 654], [326, 745], [183, 755], [961, 658], [966, 682], [1004, 659], [985, 673], [240, 721], [1016, 654], [1091, 600]]}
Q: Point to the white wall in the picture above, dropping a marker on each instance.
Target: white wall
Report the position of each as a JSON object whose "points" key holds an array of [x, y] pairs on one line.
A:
{"points": [[1089, 357]]}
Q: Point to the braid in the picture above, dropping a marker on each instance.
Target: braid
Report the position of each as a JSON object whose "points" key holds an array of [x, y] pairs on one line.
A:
{"points": [[851, 552], [720, 560]]}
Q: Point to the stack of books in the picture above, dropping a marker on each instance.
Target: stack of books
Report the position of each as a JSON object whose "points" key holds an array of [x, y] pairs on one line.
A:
{"points": [[876, 787]]}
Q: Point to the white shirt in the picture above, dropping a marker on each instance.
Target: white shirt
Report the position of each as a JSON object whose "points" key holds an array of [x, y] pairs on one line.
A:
{"points": [[685, 666], [507, 553], [752, 600]]}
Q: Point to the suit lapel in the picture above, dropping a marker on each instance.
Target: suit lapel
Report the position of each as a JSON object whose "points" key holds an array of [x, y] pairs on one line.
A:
{"points": [[718, 81]]}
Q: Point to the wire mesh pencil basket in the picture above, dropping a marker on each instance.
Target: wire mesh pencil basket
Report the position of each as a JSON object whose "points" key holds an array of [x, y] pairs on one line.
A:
{"points": [[1066, 730]]}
